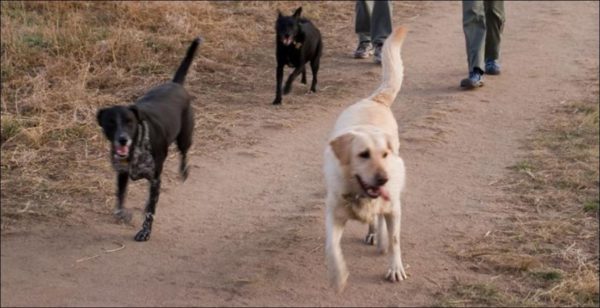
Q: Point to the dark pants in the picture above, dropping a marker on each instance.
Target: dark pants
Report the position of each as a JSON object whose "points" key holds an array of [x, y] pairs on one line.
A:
{"points": [[483, 22], [373, 21]]}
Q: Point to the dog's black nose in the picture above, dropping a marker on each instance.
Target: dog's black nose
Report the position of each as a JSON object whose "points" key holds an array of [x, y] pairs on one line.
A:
{"points": [[122, 140], [381, 179]]}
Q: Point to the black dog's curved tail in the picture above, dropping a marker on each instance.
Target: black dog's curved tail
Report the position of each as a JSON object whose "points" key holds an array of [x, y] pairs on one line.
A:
{"points": [[187, 61]]}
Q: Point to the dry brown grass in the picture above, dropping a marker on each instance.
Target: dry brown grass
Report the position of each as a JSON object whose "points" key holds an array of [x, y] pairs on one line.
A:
{"points": [[546, 251], [61, 61]]}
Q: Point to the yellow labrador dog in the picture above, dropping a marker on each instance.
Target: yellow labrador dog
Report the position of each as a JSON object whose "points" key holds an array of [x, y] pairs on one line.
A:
{"points": [[364, 172]]}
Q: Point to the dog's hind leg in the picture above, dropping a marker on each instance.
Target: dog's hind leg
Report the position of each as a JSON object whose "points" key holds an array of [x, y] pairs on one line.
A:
{"points": [[293, 75], [303, 80], [377, 234], [121, 213], [314, 66], [370, 238], [184, 140]]}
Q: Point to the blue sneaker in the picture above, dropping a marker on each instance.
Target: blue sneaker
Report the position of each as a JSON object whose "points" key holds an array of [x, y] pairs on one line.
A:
{"points": [[475, 80], [492, 67]]}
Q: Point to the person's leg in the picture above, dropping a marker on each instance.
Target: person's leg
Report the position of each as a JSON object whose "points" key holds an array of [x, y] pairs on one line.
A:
{"points": [[362, 27], [494, 18], [381, 25], [474, 28], [381, 21]]}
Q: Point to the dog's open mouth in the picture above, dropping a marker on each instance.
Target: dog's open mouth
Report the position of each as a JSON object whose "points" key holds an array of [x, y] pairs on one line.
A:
{"points": [[373, 191], [121, 151], [287, 41]]}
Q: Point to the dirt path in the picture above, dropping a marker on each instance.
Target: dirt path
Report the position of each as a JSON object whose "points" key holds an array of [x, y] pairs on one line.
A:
{"points": [[247, 227]]}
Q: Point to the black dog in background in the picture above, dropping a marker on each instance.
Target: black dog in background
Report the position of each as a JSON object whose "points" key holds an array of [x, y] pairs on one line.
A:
{"points": [[298, 42], [140, 136]]}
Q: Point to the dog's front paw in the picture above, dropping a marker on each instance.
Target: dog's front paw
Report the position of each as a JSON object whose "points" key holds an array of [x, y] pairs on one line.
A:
{"points": [[313, 89], [277, 101], [287, 89], [370, 239], [143, 235], [123, 215], [396, 274]]}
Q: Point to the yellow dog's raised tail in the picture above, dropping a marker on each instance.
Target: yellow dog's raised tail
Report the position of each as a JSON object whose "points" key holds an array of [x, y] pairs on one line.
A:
{"points": [[393, 70]]}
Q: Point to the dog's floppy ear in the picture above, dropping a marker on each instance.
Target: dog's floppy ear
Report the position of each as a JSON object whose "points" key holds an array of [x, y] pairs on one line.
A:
{"points": [[99, 115], [341, 147], [390, 144], [297, 13], [136, 112]]}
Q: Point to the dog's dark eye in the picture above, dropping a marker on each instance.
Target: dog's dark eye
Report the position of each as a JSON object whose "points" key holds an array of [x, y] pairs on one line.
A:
{"points": [[385, 154], [365, 154]]}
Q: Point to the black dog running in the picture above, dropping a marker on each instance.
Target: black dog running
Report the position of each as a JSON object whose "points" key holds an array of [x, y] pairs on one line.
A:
{"points": [[298, 42], [140, 135]]}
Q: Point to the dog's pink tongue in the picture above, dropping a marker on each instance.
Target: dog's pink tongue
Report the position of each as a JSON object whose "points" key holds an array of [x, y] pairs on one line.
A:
{"points": [[122, 150], [384, 193]]}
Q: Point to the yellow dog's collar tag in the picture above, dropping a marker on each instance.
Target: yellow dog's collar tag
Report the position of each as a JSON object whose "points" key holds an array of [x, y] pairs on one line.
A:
{"points": [[297, 45], [352, 199]]}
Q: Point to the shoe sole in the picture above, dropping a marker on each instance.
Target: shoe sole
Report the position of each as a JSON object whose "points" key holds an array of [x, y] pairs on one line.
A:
{"points": [[470, 86], [362, 56]]}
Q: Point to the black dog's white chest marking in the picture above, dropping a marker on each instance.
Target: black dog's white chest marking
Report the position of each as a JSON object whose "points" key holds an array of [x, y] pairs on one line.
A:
{"points": [[142, 162]]}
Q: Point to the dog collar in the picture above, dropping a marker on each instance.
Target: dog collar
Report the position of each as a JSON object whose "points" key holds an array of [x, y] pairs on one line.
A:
{"points": [[353, 199], [360, 207], [144, 136], [123, 162]]}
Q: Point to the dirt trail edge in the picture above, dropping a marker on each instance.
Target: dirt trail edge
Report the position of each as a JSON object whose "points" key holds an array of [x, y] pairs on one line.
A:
{"points": [[247, 227]]}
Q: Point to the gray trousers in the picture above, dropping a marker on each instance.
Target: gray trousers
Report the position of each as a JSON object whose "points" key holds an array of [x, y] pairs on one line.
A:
{"points": [[483, 22], [373, 21]]}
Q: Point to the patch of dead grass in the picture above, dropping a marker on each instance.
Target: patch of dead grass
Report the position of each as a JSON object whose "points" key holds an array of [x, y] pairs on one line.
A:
{"points": [[468, 294], [545, 253], [61, 61]]}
